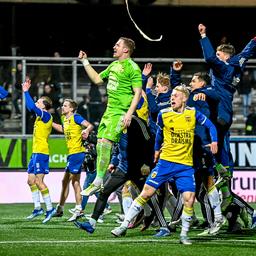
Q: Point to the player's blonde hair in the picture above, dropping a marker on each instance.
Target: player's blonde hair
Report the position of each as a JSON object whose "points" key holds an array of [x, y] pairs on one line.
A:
{"points": [[129, 43], [72, 104], [182, 88], [227, 48], [163, 79]]}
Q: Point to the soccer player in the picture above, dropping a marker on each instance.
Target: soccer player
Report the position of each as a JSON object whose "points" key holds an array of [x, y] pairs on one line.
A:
{"points": [[204, 161], [38, 166], [174, 147], [72, 126], [226, 70], [159, 98], [124, 91], [137, 141]]}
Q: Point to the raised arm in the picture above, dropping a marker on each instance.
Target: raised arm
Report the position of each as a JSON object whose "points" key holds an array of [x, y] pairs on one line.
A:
{"points": [[91, 72], [247, 53], [145, 74], [29, 101], [31, 106], [209, 52], [175, 73], [202, 30]]}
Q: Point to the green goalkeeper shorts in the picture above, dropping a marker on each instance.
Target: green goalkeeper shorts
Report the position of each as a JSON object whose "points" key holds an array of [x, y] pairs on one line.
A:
{"points": [[111, 125]]}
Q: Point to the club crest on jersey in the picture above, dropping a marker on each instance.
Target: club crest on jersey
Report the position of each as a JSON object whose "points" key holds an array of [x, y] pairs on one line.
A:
{"points": [[195, 98], [153, 175], [188, 118], [118, 68]]}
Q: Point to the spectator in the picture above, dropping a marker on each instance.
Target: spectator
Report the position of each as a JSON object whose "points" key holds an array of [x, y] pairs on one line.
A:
{"points": [[50, 92], [16, 96], [57, 75], [250, 125], [245, 89], [3, 95], [94, 106], [82, 108]]}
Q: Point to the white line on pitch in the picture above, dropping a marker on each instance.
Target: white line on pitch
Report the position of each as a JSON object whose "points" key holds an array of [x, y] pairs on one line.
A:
{"points": [[217, 241]]}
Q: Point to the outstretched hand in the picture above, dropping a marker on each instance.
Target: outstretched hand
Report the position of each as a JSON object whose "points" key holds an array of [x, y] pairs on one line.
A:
{"points": [[177, 65], [150, 83], [202, 29], [82, 55], [26, 85], [147, 69]]}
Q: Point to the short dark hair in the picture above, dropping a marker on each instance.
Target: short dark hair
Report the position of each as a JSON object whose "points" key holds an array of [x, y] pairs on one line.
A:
{"points": [[203, 76]]}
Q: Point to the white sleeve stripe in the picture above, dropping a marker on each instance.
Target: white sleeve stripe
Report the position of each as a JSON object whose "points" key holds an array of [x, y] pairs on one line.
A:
{"points": [[204, 121], [42, 114]]}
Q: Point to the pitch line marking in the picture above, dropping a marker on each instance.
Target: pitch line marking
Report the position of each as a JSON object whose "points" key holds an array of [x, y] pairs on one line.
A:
{"points": [[165, 241]]}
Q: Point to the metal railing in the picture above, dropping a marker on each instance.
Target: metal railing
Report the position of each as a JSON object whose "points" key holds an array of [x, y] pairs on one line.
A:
{"points": [[74, 77]]}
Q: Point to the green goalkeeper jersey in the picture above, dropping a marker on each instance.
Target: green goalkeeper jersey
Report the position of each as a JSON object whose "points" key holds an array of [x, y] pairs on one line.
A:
{"points": [[122, 77]]}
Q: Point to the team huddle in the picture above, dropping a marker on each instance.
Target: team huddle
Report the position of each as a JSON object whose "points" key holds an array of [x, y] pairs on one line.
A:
{"points": [[168, 141]]}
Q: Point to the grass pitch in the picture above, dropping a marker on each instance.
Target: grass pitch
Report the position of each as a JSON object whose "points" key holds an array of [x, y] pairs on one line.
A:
{"points": [[59, 237]]}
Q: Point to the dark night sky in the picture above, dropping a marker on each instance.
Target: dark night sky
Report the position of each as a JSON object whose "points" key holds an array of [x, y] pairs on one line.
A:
{"points": [[42, 29]]}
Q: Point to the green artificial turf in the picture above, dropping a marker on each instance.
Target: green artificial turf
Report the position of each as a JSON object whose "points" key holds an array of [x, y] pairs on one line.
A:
{"points": [[19, 236]]}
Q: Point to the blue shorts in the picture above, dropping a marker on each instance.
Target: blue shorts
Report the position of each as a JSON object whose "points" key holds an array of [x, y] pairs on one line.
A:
{"points": [[75, 162], [38, 164], [183, 175]]}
